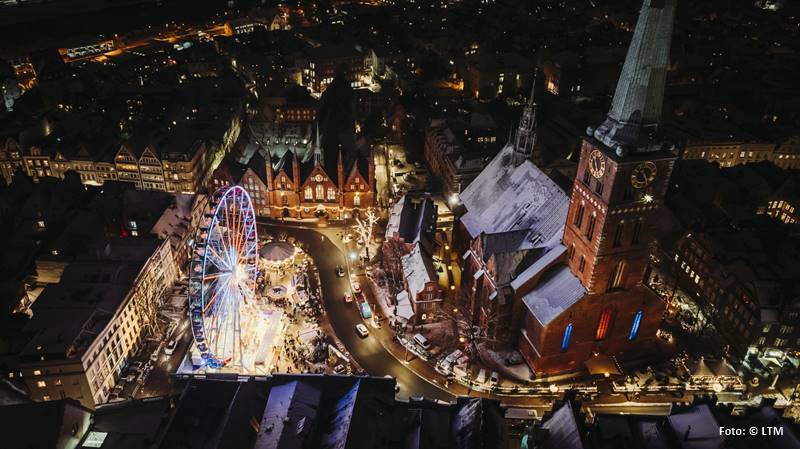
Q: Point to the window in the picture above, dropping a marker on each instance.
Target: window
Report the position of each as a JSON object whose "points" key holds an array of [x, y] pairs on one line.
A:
{"points": [[284, 200], [766, 328], [579, 216], [571, 253], [590, 229], [779, 342], [637, 231], [58, 381], [582, 264], [357, 200], [618, 234], [602, 324], [616, 276], [786, 329], [331, 193], [37, 372], [598, 187], [41, 383], [637, 320], [565, 340], [320, 192], [586, 177], [309, 193], [46, 397]]}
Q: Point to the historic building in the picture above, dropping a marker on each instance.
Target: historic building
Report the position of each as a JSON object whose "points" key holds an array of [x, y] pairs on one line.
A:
{"points": [[563, 275]]}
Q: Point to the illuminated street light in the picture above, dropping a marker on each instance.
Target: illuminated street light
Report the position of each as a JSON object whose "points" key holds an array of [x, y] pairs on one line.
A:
{"points": [[647, 198], [353, 255]]}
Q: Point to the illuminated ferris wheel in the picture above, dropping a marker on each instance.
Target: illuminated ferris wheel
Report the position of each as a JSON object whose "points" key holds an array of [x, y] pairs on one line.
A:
{"points": [[222, 277]]}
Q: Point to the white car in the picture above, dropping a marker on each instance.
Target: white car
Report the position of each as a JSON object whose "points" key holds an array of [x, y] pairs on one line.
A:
{"points": [[362, 330], [348, 298], [169, 349], [356, 287]]}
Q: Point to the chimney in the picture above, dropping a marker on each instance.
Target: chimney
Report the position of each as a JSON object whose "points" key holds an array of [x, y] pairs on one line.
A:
{"points": [[296, 172], [268, 162]]}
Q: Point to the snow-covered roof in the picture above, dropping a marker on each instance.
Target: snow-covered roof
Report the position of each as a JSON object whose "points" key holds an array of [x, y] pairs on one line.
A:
{"points": [[543, 262], [291, 408], [563, 430], [507, 198], [341, 419], [174, 223], [404, 309], [417, 270], [393, 226], [554, 294]]}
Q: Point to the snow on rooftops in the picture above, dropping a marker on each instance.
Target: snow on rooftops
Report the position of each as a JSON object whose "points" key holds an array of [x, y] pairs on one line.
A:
{"points": [[417, 270], [563, 430], [543, 262], [393, 226], [555, 293], [506, 198]]}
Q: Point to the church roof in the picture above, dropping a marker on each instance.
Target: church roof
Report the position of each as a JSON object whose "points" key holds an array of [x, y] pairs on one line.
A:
{"points": [[507, 198], [639, 95], [554, 294]]}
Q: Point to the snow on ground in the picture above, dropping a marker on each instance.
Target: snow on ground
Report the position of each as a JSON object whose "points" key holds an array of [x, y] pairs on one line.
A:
{"points": [[496, 360]]}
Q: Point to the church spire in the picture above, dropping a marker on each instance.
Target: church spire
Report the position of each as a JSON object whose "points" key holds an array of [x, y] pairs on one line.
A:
{"points": [[636, 108], [526, 132], [317, 145]]}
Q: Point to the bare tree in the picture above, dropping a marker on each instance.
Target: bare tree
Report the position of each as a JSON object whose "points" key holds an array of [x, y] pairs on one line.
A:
{"points": [[364, 227]]}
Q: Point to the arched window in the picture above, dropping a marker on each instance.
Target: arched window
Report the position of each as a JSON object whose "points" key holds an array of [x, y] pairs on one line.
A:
{"points": [[565, 340], [603, 324], [579, 216], [618, 234], [637, 320], [309, 193], [637, 230], [356, 200], [590, 229], [616, 276], [320, 192], [331, 194]]}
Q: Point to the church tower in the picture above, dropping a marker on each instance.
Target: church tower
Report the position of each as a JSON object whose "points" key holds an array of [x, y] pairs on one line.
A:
{"points": [[624, 167]]}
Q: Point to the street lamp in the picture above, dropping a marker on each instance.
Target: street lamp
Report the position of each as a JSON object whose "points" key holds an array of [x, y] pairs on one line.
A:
{"points": [[353, 255]]}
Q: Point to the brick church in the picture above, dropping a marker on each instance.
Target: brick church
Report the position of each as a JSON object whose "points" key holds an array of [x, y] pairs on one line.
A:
{"points": [[561, 275]]}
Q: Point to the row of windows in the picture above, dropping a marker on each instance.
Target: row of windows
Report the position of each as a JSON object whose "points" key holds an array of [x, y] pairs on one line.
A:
{"points": [[603, 326]]}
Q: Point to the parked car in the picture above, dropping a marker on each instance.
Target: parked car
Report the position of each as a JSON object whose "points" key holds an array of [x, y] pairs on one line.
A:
{"points": [[339, 271], [422, 341], [169, 349], [348, 297], [494, 379], [356, 287], [362, 330]]}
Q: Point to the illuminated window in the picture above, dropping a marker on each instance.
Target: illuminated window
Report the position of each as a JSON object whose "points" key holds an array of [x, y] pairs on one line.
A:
{"points": [[616, 276], [41, 383], [320, 192], [571, 253], [37, 372], [309, 194], [603, 324], [565, 339], [637, 320], [95, 439], [331, 193], [357, 200], [582, 264]]}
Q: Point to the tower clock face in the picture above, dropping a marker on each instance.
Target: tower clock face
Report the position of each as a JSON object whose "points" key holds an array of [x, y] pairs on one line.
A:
{"points": [[597, 164], [643, 175]]}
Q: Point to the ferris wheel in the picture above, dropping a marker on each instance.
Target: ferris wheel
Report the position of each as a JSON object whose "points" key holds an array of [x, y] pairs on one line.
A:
{"points": [[222, 278]]}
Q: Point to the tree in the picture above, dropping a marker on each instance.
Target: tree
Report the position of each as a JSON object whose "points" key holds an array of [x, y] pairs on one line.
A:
{"points": [[364, 227]]}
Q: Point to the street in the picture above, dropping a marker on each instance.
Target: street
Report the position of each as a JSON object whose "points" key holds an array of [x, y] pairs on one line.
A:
{"points": [[368, 352]]}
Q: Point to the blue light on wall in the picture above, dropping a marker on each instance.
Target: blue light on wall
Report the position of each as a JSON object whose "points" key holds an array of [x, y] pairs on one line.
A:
{"points": [[565, 340], [635, 327]]}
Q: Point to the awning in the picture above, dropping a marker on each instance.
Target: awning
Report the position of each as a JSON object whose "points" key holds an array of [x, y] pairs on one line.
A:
{"points": [[601, 364]]}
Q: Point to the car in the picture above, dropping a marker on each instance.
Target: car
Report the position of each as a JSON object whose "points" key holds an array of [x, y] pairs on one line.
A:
{"points": [[154, 356], [130, 377], [170, 347], [348, 297], [422, 341], [356, 287], [494, 379], [339, 271], [362, 330]]}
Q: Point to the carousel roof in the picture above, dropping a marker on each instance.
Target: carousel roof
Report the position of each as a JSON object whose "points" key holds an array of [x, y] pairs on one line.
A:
{"points": [[276, 251]]}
